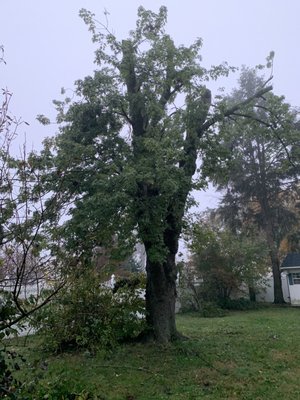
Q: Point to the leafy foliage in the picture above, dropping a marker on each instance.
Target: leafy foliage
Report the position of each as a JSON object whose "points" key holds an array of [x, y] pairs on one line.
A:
{"points": [[87, 314], [125, 152], [10, 363], [225, 262]]}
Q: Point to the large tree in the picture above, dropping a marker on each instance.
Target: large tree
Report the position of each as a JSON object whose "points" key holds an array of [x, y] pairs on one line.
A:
{"points": [[127, 150], [260, 173]]}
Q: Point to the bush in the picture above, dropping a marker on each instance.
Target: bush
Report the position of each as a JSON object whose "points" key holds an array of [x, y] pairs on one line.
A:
{"points": [[211, 310], [241, 304], [86, 314], [10, 363], [189, 299]]}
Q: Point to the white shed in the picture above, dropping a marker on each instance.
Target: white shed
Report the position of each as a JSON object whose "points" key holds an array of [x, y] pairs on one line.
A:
{"points": [[291, 266]]}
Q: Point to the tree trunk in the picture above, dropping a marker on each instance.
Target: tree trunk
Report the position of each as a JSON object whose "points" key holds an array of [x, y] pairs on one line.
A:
{"points": [[278, 294], [273, 251], [161, 298], [252, 294]]}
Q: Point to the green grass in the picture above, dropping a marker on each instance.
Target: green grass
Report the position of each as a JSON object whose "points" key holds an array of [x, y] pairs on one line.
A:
{"points": [[245, 355]]}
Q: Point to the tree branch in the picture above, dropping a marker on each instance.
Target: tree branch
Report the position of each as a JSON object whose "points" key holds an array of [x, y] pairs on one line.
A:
{"points": [[233, 109], [25, 314]]}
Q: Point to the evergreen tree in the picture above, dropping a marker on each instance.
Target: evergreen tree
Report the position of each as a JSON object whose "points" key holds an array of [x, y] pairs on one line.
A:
{"points": [[259, 168]]}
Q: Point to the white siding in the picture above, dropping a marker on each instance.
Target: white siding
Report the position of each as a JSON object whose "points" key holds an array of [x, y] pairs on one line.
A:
{"points": [[294, 289], [266, 294]]}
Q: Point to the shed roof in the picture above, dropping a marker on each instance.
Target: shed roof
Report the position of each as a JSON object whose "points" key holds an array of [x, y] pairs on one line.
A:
{"points": [[291, 260]]}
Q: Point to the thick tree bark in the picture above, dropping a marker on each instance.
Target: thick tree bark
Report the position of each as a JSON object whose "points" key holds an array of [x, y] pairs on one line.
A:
{"points": [[161, 299], [161, 279]]}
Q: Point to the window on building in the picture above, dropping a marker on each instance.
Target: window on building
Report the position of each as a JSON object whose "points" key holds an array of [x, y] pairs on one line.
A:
{"points": [[296, 278]]}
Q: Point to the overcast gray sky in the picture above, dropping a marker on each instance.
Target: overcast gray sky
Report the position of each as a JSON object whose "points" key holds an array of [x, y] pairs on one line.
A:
{"points": [[47, 46]]}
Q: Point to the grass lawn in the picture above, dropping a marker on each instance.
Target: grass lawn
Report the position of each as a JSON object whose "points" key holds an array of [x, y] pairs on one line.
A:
{"points": [[245, 355]]}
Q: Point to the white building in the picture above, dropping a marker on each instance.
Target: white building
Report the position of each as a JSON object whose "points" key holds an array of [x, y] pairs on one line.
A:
{"points": [[291, 269]]}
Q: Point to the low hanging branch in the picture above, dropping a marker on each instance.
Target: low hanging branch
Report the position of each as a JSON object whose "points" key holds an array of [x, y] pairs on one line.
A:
{"points": [[27, 313]]}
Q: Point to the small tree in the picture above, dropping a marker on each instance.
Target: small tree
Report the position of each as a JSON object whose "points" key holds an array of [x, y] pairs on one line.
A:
{"points": [[26, 256], [227, 263]]}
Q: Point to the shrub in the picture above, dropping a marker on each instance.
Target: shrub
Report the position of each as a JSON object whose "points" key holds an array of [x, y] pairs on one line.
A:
{"points": [[86, 314], [211, 310], [189, 300], [10, 363], [241, 304]]}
